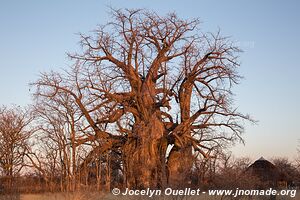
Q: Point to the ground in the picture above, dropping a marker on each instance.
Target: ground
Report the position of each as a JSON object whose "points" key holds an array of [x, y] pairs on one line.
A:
{"points": [[98, 196]]}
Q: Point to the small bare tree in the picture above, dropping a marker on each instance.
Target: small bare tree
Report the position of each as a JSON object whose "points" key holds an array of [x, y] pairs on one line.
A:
{"points": [[298, 164], [15, 131], [56, 154], [298, 156], [287, 170]]}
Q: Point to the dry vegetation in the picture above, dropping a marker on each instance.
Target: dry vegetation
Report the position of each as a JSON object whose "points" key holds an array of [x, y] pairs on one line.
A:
{"points": [[147, 103], [99, 196]]}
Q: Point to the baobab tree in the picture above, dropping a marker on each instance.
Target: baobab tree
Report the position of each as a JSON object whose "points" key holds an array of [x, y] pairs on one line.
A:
{"points": [[156, 88]]}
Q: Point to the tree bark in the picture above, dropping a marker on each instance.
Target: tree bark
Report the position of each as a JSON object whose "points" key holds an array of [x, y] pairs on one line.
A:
{"points": [[145, 155], [180, 162]]}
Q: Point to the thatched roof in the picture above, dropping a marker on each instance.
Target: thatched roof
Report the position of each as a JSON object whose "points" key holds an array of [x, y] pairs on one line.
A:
{"points": [[265, 170]]}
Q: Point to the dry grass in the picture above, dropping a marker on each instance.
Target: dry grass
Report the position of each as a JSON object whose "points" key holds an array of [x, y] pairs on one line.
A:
{"points": [[86, 195], [63, 196]]}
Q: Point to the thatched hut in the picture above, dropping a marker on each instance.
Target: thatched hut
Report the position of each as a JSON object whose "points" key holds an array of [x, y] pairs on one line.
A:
{"points": [[268, 173]]}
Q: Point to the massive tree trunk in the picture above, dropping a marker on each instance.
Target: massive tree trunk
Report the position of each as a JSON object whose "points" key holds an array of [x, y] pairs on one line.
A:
{"points": [[145, 155], [180, 162]]}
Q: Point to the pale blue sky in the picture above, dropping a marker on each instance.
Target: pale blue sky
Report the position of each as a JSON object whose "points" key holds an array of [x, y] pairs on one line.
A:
{"points": [[35, 36]]}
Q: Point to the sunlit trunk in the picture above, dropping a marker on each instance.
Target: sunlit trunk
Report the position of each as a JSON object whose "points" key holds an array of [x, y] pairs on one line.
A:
{"points": [[145, 155], [108, 173], [180, 163], [180, 160]]}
